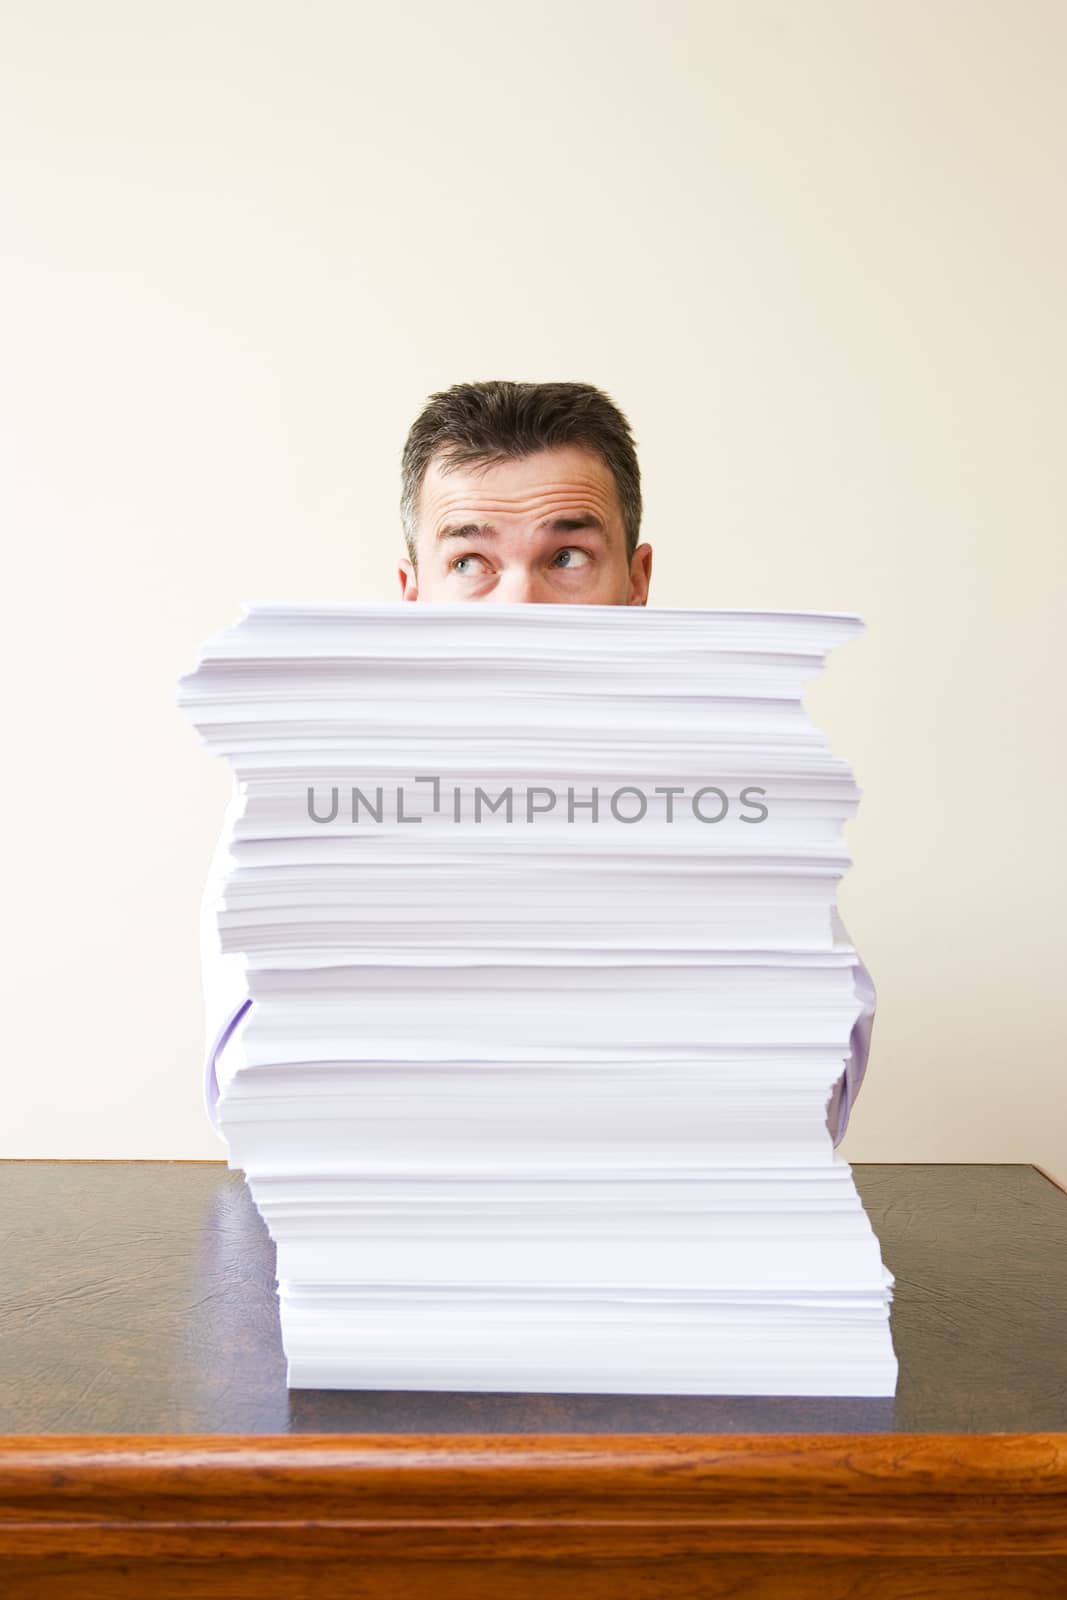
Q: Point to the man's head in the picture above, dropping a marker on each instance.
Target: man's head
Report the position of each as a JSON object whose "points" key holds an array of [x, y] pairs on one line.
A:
{"points": [[523, 492]]}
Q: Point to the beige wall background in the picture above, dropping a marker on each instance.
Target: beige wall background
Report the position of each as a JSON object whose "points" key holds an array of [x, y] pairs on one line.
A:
{"points": [[815, 250]]}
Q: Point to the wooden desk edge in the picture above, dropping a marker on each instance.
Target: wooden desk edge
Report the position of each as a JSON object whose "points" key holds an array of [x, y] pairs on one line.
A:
{"points": [[536, 1497]]}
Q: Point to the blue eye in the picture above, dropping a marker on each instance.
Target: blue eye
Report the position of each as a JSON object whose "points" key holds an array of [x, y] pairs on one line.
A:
{"points": [[576, 557]]}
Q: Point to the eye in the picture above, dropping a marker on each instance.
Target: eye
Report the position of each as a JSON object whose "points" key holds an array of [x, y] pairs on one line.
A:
{"points": [[571, 556], [458, 565]]}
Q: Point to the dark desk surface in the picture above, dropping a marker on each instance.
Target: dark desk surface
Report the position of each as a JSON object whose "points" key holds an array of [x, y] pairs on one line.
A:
{"points": [[138, 1298]]}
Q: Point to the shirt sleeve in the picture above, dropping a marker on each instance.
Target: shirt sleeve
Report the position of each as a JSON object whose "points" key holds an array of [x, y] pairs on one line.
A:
{"points": [[843, 1095], [226, 1000]]}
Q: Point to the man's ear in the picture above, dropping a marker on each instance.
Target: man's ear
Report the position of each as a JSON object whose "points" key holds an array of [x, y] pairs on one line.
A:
{"points": [[640, 575], [409, 583]]}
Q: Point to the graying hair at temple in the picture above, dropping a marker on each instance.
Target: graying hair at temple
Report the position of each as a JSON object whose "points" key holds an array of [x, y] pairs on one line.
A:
{"points": [[483, 423]]}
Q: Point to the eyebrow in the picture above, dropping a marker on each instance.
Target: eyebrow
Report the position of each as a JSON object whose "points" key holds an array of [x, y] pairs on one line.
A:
{"points": [[484, 530], [584, 519], [466, 530]]}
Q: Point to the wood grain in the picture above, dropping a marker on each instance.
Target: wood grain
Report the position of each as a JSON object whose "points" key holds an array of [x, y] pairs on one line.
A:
{"points": [[962, 1494], [632, 1516], [673, 1578]]}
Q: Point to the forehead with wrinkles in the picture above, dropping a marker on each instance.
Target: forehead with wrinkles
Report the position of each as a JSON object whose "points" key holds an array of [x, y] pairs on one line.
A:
{"points": [[544, 487]]}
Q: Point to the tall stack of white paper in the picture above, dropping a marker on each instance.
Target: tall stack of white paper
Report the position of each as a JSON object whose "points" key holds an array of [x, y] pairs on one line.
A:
{"points": [[537, 910]]}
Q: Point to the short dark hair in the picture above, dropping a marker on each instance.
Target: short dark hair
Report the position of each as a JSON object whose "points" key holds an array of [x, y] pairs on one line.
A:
{"points": [[502, 421]]}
